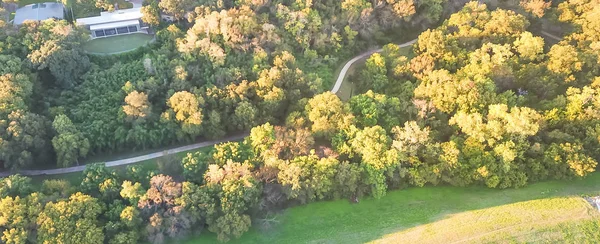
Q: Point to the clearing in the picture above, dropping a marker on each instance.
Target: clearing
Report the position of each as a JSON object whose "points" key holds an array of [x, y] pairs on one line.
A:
{"points": [[547, 211], [117, 44]]}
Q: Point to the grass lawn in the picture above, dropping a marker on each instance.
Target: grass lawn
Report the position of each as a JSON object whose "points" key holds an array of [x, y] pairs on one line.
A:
{"points": [[547, 211], [117, 44]]}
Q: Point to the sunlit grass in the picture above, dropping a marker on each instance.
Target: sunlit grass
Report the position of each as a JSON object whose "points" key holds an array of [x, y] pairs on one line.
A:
{"points": [[526, 221], [555, 206]]}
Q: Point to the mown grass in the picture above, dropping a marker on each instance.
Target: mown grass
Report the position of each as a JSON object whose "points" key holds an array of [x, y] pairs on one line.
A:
{"points": [[547, 211], [117, 44]]}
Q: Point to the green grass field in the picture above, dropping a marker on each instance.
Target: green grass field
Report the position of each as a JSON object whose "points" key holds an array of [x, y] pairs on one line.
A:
{"points": [[543, 212], [117, 44]]}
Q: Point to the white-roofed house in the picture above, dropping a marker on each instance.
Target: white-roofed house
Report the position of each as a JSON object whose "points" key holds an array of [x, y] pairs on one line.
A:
{"points": [[119, 22], [39, 11]]}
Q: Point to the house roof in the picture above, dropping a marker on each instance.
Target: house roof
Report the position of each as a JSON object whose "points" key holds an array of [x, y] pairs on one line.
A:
{"points": [[110, 17], [39, 11], [114, 25]]}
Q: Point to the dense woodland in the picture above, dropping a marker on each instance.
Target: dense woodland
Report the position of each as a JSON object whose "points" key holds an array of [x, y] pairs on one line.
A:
{"points": [[482, 102]]}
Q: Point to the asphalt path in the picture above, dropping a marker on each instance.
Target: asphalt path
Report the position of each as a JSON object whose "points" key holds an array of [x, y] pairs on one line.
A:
{"points": [[154, 155]]}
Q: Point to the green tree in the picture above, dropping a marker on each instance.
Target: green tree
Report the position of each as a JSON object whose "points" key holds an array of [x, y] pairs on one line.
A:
{"points": [[308, 178], [328, 114], [15, 185], [194, 166], [370, 109], [24, 139], [374, 76], [374, 147], [69, 144], [239, 191], [71, 221], [96, 174]]}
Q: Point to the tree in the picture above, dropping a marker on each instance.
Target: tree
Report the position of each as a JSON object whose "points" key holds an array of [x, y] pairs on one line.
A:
{"points": [[291, 143], [67, 66], [231, 151], [15, 185], [239, 191], [57, 188], [370, 109], [328, 114], [137, 105], [24, 139], [108, 5], [96, 174], [563, 60], [166, 217], [530, 47], [261, 138], [245, 115], [71, 221], [374, 76], [132, 192], [69, 143], [374, 147], [568, 159], [18, 218], [177, 8], [536, 7], [308, 178], [151, 14], [185, 109], [194, 166]]}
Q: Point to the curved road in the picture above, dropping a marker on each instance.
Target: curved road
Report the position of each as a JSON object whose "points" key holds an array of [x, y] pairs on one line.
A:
{"points": [[336, 87], [342, 75]]}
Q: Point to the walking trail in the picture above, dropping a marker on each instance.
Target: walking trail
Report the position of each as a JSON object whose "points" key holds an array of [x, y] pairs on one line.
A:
{"points": [[342, 75], [154, 155]]}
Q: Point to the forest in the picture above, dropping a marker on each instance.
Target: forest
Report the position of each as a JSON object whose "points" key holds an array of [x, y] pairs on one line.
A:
{"points": [[481, 100]]}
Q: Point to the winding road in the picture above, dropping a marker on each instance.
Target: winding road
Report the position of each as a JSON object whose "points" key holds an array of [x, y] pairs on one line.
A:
{"points": [[336, 88], [342, 75]]}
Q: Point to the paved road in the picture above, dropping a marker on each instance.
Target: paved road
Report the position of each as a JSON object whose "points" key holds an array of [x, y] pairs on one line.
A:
{"points": [[129, 160], [137, 159], [342, 75], [551, 36]]}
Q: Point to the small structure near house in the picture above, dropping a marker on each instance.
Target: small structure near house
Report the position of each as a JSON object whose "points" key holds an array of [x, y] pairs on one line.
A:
{"points": [[119, 22], [39, 11]]}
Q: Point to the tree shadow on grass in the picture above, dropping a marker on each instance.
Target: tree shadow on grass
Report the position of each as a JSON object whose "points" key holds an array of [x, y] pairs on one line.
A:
{"points": [[371, 219]]}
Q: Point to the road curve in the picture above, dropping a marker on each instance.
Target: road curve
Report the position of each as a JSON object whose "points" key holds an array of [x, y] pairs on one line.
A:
{"points": [[342, 75], [154, 155]]}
